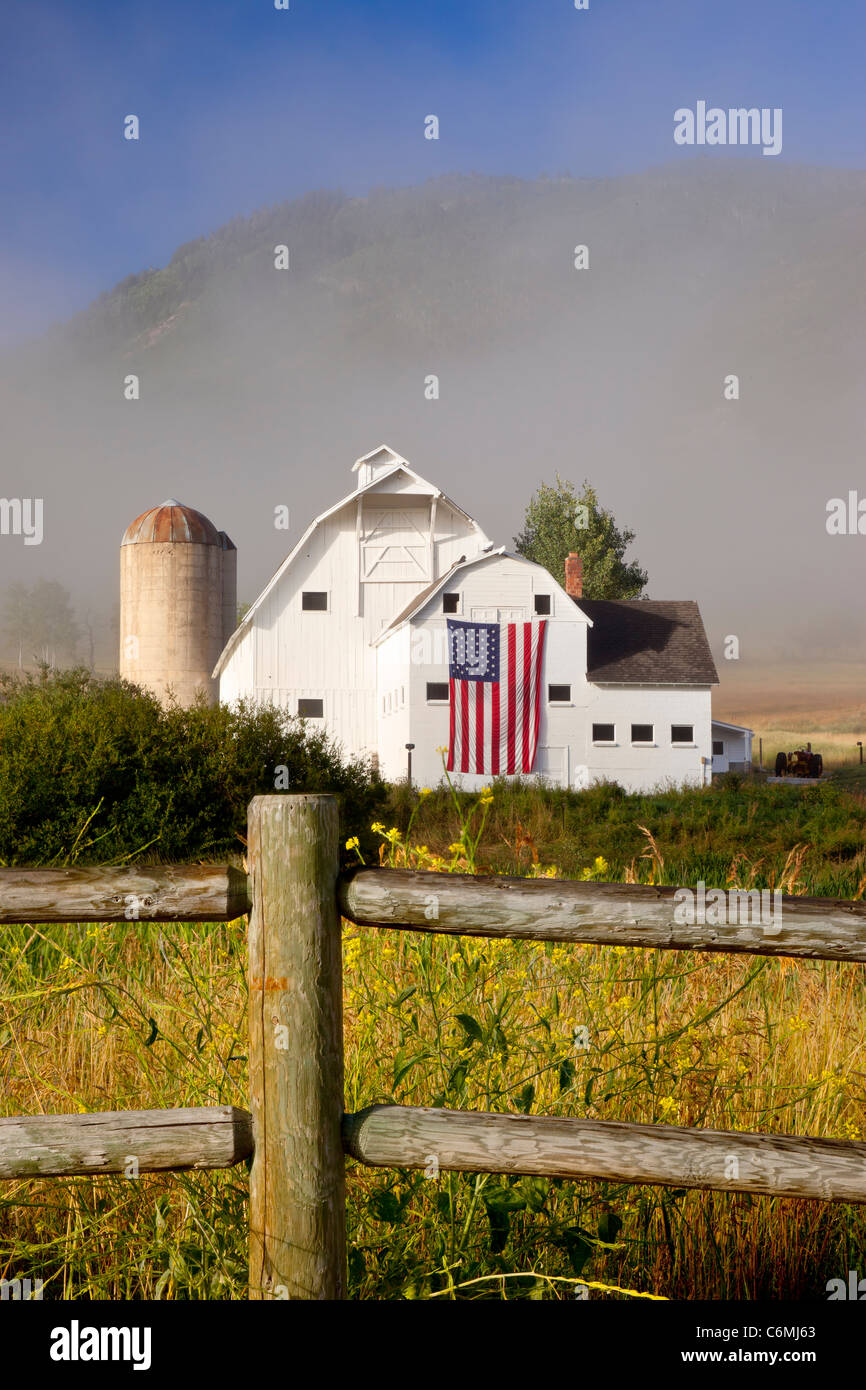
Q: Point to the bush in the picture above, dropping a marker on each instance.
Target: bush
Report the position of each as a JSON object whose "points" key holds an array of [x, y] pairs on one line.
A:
{"points": [[99, 771]]}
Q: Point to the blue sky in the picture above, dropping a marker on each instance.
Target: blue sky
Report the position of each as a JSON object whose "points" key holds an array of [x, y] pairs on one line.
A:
{"points": [[242, 105]]}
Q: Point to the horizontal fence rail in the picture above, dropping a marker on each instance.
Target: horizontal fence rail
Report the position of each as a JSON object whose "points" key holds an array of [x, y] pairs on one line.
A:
{"points": [[174, 893], [602, 914], [398, 1136], [124, 1141]]}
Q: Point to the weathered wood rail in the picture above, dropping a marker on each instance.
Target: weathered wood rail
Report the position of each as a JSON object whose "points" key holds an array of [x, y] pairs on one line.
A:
{"points": [[602, 914], [296, 1132], [397, 1136], [62, 1146]]}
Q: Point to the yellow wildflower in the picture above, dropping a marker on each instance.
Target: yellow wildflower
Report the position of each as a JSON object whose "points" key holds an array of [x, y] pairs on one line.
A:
{"points": [[354, 842]]}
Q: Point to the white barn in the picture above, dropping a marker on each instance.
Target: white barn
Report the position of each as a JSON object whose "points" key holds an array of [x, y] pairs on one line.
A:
{"points": [[351, 631]]}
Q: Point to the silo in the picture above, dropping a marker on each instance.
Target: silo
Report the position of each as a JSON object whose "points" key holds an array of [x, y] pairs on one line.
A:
{"points": [[175, 590], [230, 587]]}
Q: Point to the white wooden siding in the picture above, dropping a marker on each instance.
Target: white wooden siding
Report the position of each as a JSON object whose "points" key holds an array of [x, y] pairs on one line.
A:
{"points": [[289, 654]]}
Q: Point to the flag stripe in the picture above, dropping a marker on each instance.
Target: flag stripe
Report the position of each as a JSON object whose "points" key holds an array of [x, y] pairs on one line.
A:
{"points": [[511, 713], [539, 652], [527, 698]]}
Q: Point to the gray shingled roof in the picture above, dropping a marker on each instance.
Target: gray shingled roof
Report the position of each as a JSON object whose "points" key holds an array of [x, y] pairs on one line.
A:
{"points": [[647, 642]]}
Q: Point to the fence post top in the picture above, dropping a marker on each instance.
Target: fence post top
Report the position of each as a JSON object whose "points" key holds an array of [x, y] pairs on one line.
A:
{"points": [[269, 799]]}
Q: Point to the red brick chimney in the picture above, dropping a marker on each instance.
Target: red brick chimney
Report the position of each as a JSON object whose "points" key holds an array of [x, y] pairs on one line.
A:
{"points": [[574, 576]]}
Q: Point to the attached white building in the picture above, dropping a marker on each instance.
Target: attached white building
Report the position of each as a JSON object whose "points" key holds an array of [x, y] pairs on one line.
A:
{"points": [[732, 747], [352, 631]]}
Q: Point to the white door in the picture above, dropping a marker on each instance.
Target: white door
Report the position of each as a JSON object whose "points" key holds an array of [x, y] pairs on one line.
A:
{"points": [[552, 765]]}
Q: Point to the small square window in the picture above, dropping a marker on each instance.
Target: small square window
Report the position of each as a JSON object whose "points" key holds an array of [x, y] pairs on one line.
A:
{"points": [[718, 748], [314, 601], [682, 733], [542, 603], [311, 709], [641, 733], [559, 694], [437, 690], [604, 733], [450, 603]]}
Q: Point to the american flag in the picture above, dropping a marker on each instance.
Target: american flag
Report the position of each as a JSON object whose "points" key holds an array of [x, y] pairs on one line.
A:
{"points": [[494, 695]]}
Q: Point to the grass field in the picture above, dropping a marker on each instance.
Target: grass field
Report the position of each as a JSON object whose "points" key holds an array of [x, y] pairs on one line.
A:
{"points": [[787, 706], [137, 1016]]}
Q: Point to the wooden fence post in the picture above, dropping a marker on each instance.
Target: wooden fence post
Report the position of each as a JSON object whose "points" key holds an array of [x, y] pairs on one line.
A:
{"points": [[297, 1184]]}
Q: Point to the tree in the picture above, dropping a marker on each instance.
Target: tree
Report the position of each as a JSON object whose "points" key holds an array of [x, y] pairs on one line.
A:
{"points": [[558, 521], [40, 622]]}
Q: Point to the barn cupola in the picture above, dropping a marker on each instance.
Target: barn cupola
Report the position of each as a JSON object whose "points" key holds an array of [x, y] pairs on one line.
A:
{"points": [[378, 462]]}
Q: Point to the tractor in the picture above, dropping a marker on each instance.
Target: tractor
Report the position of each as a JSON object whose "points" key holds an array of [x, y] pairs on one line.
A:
{"points": [[801, 763]]}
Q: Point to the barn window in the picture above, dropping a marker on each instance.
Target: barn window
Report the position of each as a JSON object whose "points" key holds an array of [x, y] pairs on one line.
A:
{"points": [[314, 601], [542, 603], [682, 733], [604, 733], [559, 694], [437, 692], [311, 709], [450, 603], [641, 733], [718, 748]]}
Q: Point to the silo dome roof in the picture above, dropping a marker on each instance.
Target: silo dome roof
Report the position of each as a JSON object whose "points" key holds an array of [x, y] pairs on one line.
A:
{"points": [[171, 522]]}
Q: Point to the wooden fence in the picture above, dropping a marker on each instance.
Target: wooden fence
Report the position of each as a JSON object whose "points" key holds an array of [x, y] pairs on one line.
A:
{"points": [[296, 1130]]}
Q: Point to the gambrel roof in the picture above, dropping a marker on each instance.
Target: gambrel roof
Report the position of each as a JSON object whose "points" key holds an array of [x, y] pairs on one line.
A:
{"points": [[375, 485], [415, 605]]}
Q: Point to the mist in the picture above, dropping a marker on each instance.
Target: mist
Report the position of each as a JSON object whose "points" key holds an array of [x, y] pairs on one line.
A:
{"points": [[259, 387]]}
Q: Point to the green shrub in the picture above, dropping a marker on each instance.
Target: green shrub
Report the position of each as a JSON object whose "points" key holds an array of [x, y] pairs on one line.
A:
{"points": [[97, 770]]}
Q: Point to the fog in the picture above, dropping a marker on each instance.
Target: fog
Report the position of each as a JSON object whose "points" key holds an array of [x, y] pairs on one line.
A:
{"points": [[259, 387]]}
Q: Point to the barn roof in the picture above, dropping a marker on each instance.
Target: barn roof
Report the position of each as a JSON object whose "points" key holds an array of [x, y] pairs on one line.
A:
{"points": [[399, 467], [647, 642], [416, 603]]}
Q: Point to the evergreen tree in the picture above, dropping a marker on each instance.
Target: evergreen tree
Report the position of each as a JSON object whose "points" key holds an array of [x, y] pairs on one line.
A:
{"points": [[558, 521]]}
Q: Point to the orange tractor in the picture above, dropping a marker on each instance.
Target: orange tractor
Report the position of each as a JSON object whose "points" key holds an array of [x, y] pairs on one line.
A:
{"points": [[801, 763]]}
